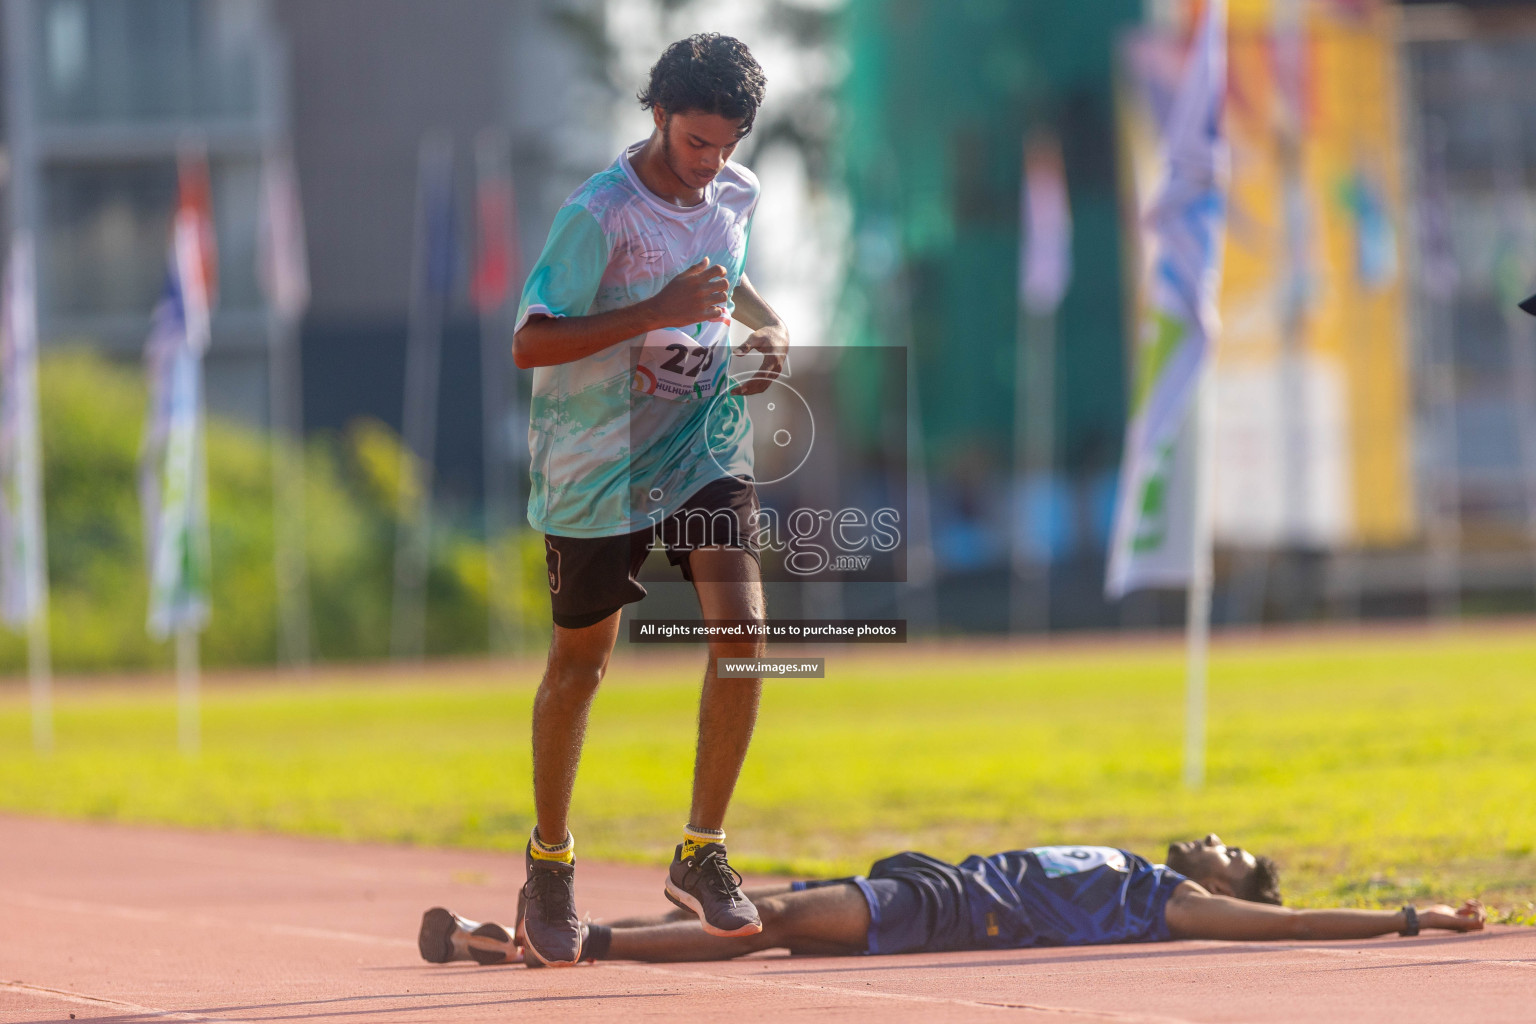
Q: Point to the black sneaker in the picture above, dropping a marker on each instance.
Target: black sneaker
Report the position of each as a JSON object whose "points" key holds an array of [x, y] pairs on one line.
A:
{"points": [[520, 935], [551, 929], [705, 884], [446, 937]]}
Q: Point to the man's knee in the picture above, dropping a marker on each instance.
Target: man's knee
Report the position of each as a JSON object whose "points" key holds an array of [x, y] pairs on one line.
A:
{"points": [[573, 674]]}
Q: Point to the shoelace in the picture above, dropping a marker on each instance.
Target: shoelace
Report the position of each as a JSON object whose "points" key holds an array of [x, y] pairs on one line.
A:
{"points": [[718, 873], [553, 891]]}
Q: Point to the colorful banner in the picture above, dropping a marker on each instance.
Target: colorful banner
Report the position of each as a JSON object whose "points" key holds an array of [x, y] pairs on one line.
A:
{"points": [[23, 574], [173, 484], [1151, 546], [1310, 443]]}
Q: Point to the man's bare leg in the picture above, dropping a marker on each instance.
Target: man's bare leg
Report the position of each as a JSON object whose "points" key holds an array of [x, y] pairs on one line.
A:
{"points": [[578, 658], [830, 920], [729, 586]]}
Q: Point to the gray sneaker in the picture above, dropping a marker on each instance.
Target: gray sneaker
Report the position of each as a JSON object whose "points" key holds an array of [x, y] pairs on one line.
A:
{"points": [[551, 929], [711, 888], [446, 937]]}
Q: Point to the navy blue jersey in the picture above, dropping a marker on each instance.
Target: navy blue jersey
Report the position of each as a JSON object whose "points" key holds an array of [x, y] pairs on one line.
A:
{"points": [[1045, 896]]}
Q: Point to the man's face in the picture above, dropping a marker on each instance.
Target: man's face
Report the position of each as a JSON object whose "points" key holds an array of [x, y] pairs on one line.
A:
{"points": [[1220, 868], [696, 145]]}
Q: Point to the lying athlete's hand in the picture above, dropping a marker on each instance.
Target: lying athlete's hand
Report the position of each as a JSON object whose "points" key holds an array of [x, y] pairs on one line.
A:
{"points": [[694, 296], [1469, 917], [773, 343]]}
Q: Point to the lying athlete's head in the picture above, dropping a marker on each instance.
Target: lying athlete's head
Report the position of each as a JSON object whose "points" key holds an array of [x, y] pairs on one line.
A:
{"points": [[704, 93], [1226, 870]]}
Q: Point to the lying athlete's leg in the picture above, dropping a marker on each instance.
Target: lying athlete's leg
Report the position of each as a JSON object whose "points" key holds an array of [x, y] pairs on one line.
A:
{"points": [[577, 660], [679, 914], [830, 920], [729, 587]]}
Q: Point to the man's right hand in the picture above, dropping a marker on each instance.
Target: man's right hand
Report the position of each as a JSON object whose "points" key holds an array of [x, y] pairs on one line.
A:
{"points": [[1469, 917], [694, 296]]}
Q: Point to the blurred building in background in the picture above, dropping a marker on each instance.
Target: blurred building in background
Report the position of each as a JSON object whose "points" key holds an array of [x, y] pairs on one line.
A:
{"points": [[100, 95], [1472, 156], [98, 99]]}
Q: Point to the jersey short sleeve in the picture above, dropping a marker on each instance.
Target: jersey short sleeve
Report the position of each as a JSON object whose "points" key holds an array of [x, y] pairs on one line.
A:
{"points": [[566, 277]]}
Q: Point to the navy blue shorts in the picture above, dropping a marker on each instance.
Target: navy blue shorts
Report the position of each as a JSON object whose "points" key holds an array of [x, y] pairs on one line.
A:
{"points": [[915, 906]]}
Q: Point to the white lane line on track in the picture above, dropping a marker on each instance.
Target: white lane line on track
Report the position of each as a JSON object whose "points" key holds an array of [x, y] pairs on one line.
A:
{"points": [[1446, 958], [81, 999], [48, 903], [903, 997]]}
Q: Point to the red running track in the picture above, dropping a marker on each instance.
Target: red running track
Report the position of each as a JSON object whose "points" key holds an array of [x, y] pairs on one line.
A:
{"points": [[128, 925]]}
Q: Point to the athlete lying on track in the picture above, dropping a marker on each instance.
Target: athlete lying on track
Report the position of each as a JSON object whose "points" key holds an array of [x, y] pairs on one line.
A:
{"points": [[1046, 896]]}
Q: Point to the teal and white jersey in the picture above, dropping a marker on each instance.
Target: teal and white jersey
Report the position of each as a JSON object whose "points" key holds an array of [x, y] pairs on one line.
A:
{"points": [[621, 438]]}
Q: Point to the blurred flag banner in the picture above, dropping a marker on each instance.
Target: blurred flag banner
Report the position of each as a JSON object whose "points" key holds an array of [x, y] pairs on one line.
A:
{"points": [[495, 261], [22, 577], [1045, 269], [282, 263], [173, 485], [1153, 543]]}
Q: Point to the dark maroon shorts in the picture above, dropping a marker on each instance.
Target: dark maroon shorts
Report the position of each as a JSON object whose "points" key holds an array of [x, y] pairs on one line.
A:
{"points": [[590, 578]]}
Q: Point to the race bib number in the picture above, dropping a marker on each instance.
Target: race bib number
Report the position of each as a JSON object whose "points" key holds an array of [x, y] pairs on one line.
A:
{"points": [[1071, 860], [682, 363]]}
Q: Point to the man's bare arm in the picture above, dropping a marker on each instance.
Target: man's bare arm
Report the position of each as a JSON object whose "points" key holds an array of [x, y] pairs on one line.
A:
{"points": [[769, 336], [1194, 913], [695, 295]]}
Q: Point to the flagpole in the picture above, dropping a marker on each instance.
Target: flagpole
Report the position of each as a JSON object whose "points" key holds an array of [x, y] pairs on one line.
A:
{"points": [[492, 168], [40, 680], [1163, 521], [1034, 446], [22, 204], [288, 491], [283, 271], [174, 467], [188, 685], [422, 366], [1198, 608], [1045, 273]]}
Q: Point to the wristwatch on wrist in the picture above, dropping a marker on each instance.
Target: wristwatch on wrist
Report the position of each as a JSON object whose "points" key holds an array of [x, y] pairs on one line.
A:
{"points": [[1410, 921]]}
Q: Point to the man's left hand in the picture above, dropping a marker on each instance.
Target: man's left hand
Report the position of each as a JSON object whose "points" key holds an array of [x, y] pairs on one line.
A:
{"points": [[773, 343]]}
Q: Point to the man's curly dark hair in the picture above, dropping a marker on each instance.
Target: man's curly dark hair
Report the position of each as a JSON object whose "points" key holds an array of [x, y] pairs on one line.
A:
{"points": [[707, 73], [1263, 886]]}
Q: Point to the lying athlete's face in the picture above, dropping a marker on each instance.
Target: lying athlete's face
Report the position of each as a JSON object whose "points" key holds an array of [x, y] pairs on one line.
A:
{"points": [[1220, 868], [696, 145]]}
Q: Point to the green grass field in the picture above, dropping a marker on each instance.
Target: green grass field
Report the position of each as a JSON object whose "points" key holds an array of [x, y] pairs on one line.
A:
{"points": [[1375, 769]]}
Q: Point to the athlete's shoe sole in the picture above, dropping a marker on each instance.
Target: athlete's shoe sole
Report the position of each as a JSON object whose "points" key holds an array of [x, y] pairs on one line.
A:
{"points": [[446, 937], [683, 899], [435, 940]]}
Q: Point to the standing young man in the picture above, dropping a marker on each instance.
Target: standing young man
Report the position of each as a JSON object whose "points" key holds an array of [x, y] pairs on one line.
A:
{"points": [[638, 433]]}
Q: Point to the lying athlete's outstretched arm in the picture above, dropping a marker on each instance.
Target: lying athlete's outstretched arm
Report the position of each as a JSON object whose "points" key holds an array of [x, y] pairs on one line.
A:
{"points": [[1194, 913]]}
